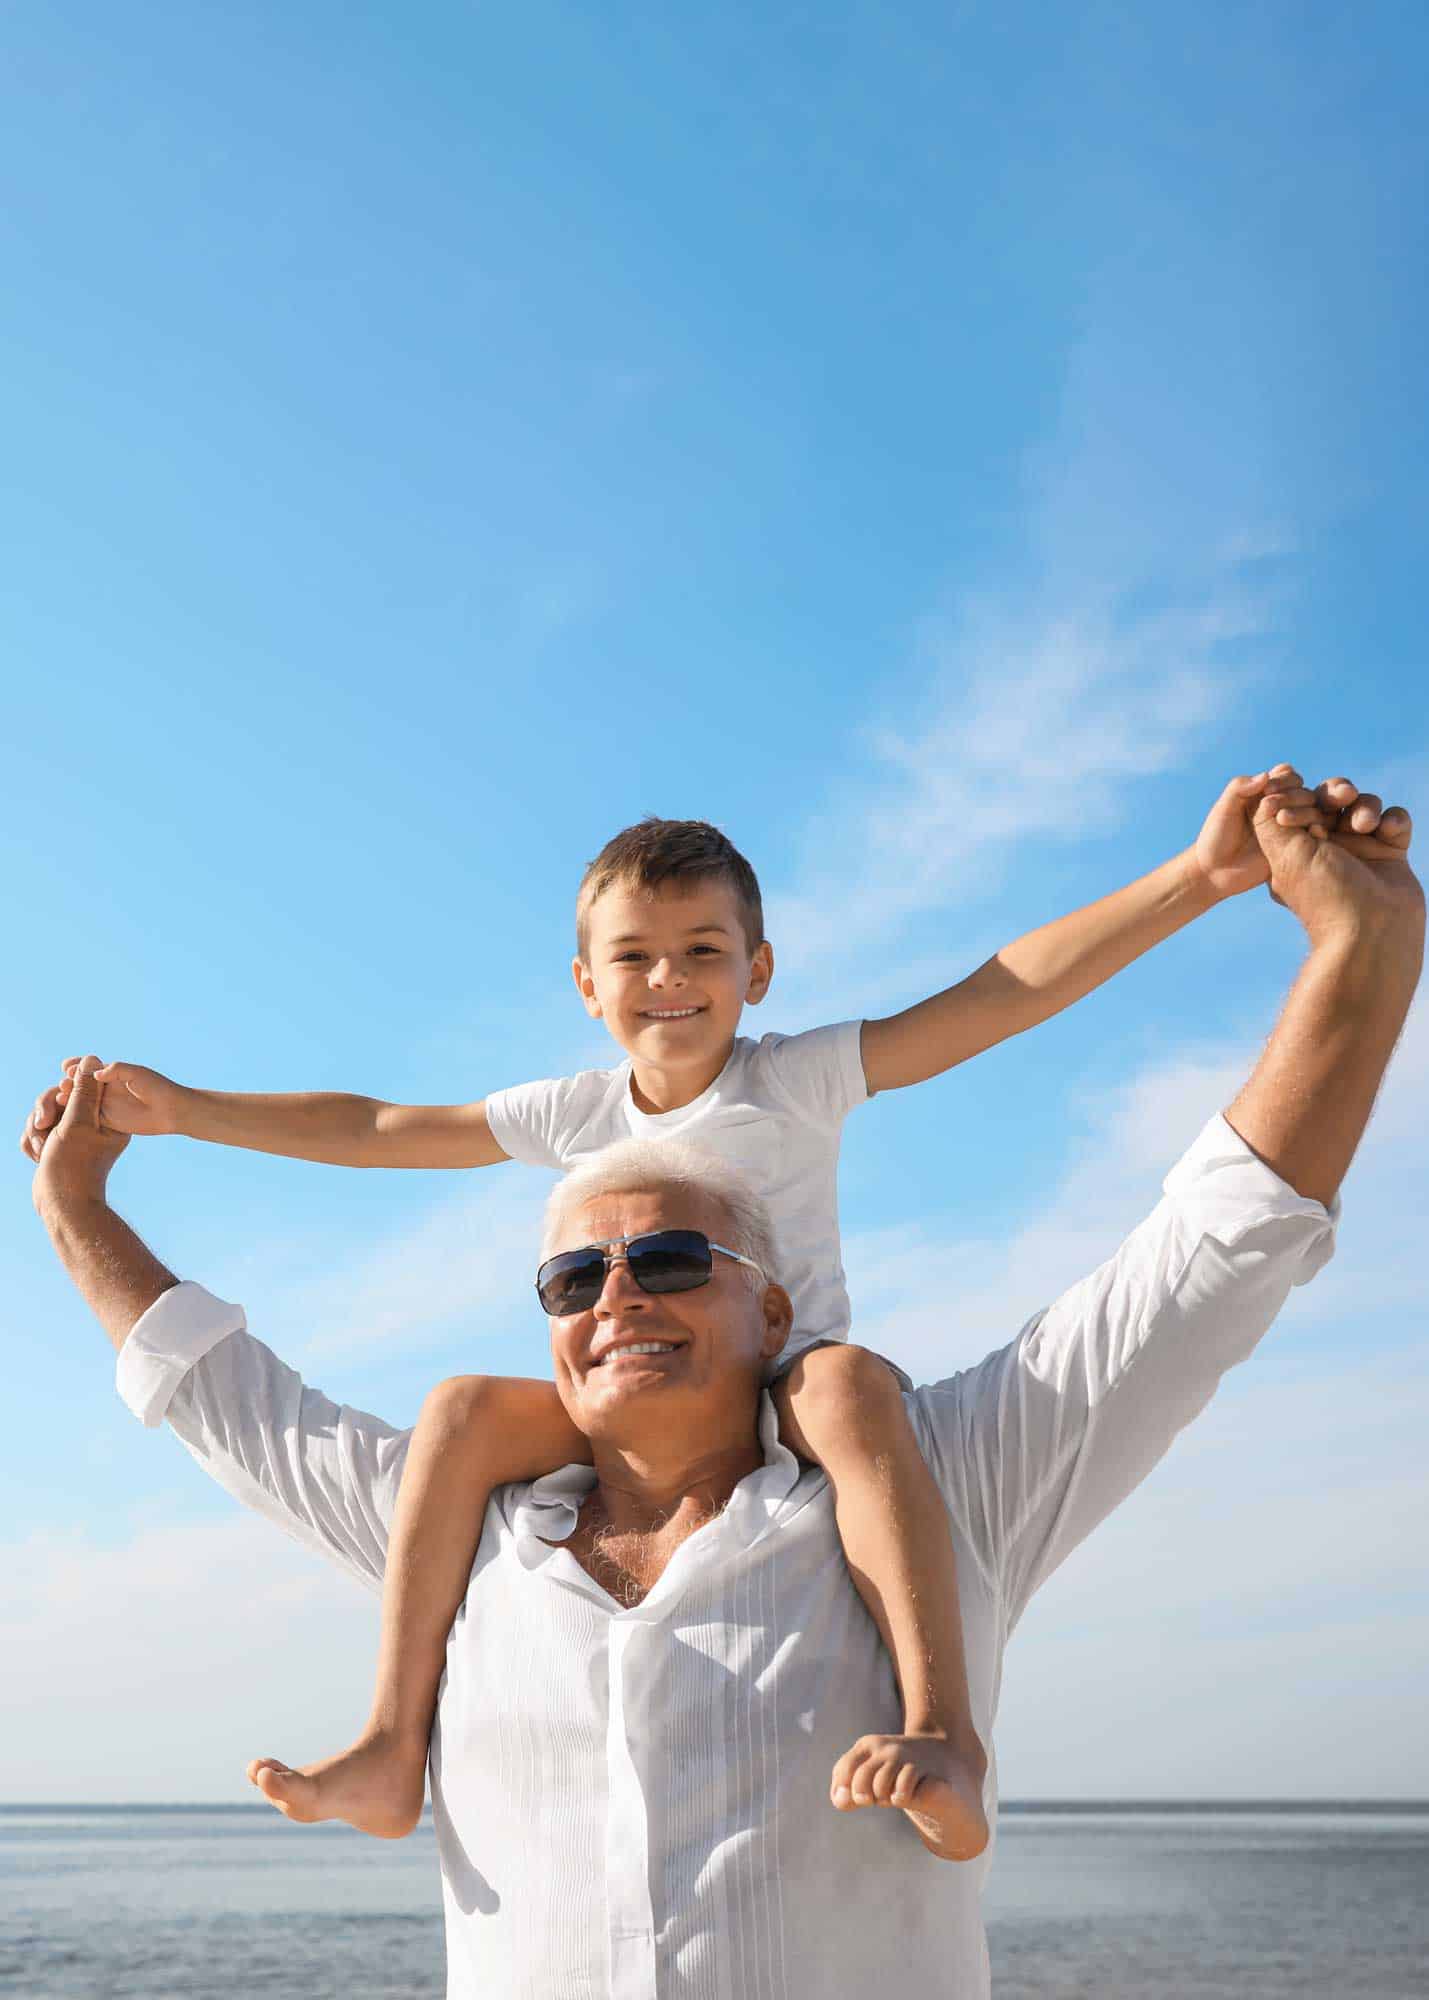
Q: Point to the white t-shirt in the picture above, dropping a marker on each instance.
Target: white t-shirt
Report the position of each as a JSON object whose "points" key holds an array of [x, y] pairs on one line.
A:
{"points": [[775, 1110]]}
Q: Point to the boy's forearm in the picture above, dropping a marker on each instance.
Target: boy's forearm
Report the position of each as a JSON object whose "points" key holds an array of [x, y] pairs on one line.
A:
{"points": [[1035, 977], [324, 1125], [1050, 968], [341, 1130]]}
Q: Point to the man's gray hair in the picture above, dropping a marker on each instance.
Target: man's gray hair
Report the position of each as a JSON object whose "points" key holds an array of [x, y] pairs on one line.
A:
{"points": [[650, 1166]]}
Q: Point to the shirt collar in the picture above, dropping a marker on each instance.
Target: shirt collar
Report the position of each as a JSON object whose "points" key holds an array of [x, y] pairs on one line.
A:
{"points": [[547, 1510]]}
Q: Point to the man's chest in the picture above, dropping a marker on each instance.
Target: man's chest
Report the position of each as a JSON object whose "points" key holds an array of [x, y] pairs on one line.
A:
{"points": [[626, 1567]]}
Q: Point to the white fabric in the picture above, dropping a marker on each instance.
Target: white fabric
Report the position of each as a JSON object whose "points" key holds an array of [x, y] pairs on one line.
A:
{"points": [[776, 1110], [632, 1803]]}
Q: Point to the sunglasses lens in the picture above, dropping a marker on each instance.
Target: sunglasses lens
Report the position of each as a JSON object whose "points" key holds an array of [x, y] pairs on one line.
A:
{"points": [[672, 1260], [571, 1283]]}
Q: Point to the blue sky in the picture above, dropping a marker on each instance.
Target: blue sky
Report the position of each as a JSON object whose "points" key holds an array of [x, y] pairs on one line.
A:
{"points": [[941, 445]]}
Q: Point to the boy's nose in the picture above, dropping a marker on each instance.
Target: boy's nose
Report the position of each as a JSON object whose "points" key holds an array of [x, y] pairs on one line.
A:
{"points": [[666, 972]]}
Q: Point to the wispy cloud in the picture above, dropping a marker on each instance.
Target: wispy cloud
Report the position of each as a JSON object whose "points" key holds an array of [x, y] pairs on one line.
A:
{"points": [[1035, 727], [463, 1269], [215, 1640], [938, 1300]]}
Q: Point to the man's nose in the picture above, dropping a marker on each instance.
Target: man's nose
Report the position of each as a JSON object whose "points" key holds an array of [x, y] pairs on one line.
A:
{"points": [[619, 1292]]}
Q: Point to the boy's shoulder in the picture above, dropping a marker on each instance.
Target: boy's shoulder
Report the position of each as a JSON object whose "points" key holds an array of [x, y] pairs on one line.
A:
{"points": [[541, 1121], [819, 1071]]}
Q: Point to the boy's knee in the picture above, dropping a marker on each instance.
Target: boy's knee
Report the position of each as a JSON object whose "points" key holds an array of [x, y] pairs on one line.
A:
{"points": [[843, 1377], [454, 1405]]}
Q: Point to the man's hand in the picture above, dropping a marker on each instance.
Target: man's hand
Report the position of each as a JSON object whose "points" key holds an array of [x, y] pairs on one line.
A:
{"points": [[1346, 867], [1227, 852], [76, 1156]]}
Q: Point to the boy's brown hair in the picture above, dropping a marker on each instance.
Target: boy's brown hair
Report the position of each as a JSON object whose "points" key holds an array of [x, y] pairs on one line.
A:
{"points": [[658, 853]]}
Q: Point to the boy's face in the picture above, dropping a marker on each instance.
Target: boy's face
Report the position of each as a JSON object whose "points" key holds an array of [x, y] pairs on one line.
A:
{"points": [[670, 972]]}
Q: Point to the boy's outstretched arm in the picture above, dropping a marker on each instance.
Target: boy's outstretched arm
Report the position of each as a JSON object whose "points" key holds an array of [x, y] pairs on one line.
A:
{"points": [[325, 1125], [1044, 972]]}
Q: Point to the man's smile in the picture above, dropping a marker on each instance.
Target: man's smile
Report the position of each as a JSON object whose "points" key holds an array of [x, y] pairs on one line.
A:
{"points": [[635, 1347], [618, 1350]]}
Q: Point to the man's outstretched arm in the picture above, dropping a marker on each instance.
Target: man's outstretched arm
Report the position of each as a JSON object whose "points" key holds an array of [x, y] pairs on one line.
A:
{"points": [[1306, 1105], [326, 1474], [1041, 1442]]}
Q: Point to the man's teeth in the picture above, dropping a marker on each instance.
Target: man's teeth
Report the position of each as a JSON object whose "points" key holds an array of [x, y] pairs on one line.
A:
{"points": [[640, 1347]]}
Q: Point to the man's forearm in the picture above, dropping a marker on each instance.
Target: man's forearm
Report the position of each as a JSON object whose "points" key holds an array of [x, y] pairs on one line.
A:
{"points": [[1309, 1098], [118, 1276]]}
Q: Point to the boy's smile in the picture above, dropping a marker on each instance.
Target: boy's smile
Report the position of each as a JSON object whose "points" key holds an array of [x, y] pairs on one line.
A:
{"points": [[669, 972]]}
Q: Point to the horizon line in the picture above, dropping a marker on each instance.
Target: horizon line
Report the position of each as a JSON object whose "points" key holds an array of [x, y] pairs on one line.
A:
{"points": [[1024, 1805]]}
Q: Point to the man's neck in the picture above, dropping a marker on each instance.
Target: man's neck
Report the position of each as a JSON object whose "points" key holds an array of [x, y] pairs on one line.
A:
{"points": [[637, 1515], [637, 1493]]}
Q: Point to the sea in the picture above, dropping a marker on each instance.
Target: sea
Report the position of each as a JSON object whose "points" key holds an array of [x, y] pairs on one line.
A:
{"points": [[1260, 1901]]}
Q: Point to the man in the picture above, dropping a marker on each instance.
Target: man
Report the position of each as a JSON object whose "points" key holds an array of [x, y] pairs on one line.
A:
{"points": [[659, 1656]]}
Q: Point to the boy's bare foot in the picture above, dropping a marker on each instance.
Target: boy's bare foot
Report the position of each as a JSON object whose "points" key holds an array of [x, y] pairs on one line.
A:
{"points": [[377, 1786], [937, 1785]]}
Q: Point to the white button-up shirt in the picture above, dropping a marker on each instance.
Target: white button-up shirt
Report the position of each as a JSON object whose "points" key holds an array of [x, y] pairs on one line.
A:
{"points": [[632, 1802]]}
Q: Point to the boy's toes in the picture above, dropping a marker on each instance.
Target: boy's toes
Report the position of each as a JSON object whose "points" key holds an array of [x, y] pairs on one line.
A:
{"points": [[280, 1785], [865, 1775], [848, 1786], [905, 1785]]}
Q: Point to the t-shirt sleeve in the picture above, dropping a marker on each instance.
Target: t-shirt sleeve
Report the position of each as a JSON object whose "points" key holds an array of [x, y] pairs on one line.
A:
{"points": [[1043, 1439], [819, 1072], [536, 1122]]}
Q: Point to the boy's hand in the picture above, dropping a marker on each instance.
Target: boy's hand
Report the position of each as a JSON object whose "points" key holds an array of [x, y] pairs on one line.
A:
{"points": [[138, 1101], [1229, 856]]}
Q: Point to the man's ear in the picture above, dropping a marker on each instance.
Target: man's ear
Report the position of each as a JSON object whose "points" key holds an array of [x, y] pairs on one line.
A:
{"points": [[761, 972], [585, 986], [778, 1309]]}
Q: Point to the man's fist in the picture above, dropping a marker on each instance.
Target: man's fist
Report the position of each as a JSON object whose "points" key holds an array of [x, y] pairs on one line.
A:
{"points": [[76, 1156], [1345, 866]]}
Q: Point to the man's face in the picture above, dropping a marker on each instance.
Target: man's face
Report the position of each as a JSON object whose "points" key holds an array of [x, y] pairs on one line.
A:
{"points": [[669, 971], [716, 1338]]}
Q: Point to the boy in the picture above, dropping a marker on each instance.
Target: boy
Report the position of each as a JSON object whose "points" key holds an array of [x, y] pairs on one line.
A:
{"points": [[670, 951]]}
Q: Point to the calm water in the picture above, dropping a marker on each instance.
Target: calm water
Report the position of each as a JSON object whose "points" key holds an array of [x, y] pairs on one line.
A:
{"points": [[171, 1903]]}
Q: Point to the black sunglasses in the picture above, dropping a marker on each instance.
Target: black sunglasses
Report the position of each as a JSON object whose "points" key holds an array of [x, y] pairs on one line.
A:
{"points": [[668, 1260]]}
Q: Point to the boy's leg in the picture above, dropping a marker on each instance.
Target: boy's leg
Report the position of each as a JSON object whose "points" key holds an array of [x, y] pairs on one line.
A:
{"points": [[476, 1432], [842, 1407]]}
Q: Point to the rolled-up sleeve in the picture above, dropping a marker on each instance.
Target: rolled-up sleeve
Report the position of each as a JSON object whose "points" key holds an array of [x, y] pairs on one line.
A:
{"points": [[325, 1473], [1041, 1441]]}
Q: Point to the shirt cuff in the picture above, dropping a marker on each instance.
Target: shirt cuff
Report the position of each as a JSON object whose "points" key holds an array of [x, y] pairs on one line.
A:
{"points": [[1219, 1171], [164, 1343]]}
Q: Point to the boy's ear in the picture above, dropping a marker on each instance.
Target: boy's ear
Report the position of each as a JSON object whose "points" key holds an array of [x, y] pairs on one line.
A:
{"points": [[761, 972], [585, 986]]}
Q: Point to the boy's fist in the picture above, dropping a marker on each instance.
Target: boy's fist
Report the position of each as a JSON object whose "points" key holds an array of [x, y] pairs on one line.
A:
{"points": [[1227, 851], [138, 1101]]}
